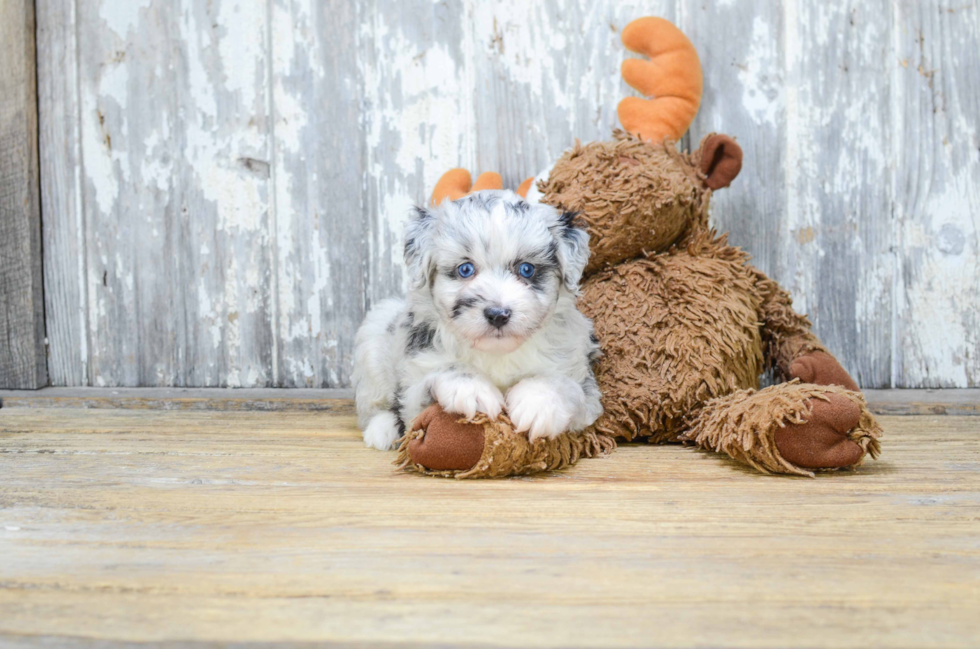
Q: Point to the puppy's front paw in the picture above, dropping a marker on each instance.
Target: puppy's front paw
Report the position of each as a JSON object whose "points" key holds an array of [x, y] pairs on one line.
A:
{"points": [[382, 431], [537, 409], [468, 395]]}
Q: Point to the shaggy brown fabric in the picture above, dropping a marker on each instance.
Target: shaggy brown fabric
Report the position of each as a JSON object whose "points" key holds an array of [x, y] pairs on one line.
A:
{"points": [[785, 333], [504, 452], [633, 196], [744, 426], [676, 330]]}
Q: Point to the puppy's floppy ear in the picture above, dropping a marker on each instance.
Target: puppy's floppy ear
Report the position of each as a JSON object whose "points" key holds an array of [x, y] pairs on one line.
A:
{"points": [[418, 259], [573, 248]]}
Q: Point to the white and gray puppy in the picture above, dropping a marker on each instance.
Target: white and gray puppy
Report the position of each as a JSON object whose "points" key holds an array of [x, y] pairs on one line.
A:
{"points": [[489, 323]]}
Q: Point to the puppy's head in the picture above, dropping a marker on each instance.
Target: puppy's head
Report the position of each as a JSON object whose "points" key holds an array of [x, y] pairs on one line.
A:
{"points": [[494, 266]]}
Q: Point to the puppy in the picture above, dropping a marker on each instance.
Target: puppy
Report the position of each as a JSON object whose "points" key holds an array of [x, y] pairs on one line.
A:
{"points": [[489, 324]]}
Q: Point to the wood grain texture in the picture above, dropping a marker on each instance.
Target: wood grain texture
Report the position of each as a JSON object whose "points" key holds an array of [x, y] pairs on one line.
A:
{"points": [[23, 358], [246, 168], [323, 235], [837, 165], [935, 137], [219, 527], [64, 241]]}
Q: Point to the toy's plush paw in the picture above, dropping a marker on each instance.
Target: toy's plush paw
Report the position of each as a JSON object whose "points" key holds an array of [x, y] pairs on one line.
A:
{"points": [[468, 395], [441, 443], [822, 442], [791, 428], [446, 444], [535, 409], [821, 368]]}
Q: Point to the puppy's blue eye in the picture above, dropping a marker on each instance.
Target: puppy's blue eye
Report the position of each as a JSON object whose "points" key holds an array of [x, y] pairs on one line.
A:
{"points": [[526, 270], [465, 270]]}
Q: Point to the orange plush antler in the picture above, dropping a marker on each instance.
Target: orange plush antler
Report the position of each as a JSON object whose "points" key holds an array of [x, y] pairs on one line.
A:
{"points": [[457, 183], [672, 77], [525, 187]]}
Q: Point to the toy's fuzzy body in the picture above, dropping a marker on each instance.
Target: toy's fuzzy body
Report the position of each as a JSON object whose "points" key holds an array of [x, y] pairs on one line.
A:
{"points": [[675, 330], [681, 316], [686, 328]]}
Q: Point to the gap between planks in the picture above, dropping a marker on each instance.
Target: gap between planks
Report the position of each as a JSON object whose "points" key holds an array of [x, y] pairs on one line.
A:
{"points": [[964, 402]]}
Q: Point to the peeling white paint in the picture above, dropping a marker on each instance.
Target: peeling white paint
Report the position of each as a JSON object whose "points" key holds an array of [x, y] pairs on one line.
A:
{"points": [[940, 319], [242, 56], [106, 164], [121, 15], [795, 151], [760, 75]]}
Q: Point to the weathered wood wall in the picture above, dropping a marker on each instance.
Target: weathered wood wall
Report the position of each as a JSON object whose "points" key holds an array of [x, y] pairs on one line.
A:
{"points": [[225, 181], [22, 357]]}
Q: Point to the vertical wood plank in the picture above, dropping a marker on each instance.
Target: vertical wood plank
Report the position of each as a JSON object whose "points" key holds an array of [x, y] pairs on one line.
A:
{"points": [[226, 212], [838, 173], [321, 229], [936, 152], [23, 361], [176, 192], [128, 163], [62, 223]]}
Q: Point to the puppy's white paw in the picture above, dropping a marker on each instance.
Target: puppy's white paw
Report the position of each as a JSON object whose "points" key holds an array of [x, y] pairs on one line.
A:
{"points": [[468, 395], [382, 431], [537, 409]]}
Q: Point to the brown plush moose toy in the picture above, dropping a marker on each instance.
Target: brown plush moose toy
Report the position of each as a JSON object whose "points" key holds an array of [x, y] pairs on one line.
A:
{"points": [[686, 326]]}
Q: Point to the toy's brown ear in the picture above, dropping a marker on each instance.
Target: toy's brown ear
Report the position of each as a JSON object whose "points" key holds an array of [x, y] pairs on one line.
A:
{"points": [[721, 160]]}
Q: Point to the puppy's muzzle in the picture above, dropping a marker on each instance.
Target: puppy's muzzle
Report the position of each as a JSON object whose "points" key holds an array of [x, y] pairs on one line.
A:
{"points": [[497, 316]]}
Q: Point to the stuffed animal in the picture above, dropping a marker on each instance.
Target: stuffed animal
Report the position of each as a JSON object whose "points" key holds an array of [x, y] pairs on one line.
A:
{"points": [[685, 324]]}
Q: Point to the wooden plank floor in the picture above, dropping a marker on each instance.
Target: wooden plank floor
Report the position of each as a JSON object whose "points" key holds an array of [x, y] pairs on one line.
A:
{"points": [[156, 526]]}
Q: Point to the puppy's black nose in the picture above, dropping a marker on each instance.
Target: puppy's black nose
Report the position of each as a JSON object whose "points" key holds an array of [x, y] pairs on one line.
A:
{"points": [[497, 316]]}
